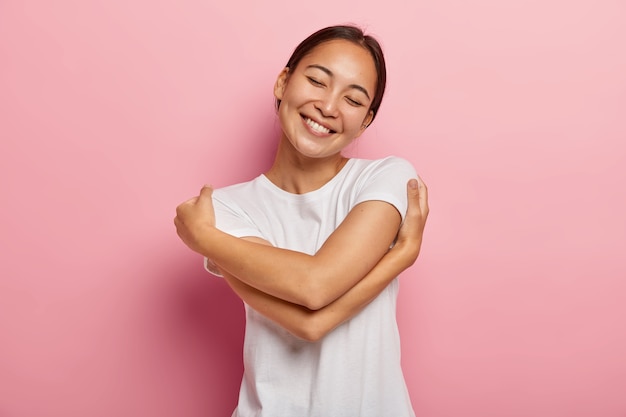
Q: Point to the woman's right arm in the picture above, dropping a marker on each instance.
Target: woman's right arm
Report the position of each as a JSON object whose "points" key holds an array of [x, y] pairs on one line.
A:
{"points": [[348, 254], [314, 324]]}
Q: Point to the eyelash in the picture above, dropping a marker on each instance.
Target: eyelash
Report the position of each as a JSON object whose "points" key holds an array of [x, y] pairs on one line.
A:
{"points": [[321, 84], [315, 82]]}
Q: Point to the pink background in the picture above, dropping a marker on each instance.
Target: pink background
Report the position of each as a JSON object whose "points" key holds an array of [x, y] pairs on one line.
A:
{"points": [[112, 112]]}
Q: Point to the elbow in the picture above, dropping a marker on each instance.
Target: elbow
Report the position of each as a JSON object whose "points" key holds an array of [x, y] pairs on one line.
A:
{"points": [[308, 336], [315, 298], [315, 295], [314, 303], [311, 329]]}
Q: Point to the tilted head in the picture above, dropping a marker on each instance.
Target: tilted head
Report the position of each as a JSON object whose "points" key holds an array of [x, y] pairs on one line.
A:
{"points": [[352, 34]]}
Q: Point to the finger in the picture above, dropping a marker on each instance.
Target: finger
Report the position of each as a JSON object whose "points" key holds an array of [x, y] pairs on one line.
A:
{"points": [[410, 230], [180, 209], [177, 226], [205, 193], [423, 196], [413, 194], [413, 204]]}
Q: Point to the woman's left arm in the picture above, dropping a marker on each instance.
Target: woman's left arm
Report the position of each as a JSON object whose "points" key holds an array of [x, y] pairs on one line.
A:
{"points": [[312, 325]]}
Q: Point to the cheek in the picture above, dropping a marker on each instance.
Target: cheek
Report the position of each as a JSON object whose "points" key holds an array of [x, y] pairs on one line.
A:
{"points": [[285, 114], [357, 118], [294, 90]]}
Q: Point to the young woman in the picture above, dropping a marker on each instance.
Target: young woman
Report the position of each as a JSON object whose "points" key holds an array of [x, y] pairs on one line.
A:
{"points": [[306, 245]]}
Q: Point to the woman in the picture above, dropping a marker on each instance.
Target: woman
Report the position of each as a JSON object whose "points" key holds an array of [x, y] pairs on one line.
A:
{"points": [[306, 245]]}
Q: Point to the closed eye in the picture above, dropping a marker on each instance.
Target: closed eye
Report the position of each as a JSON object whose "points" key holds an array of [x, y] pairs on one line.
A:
{"points": [[354, 102], [315, 82]]}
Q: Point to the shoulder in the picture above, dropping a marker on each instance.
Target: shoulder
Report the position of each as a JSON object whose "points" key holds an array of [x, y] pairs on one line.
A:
{"points": [[395, 161], [236, 207], [235, 191], [383, 180], [392, 166], [236, 199]]}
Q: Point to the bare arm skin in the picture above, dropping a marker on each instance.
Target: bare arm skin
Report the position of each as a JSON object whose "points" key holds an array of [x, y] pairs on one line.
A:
{"points": [[344, 259], [312, 325]]}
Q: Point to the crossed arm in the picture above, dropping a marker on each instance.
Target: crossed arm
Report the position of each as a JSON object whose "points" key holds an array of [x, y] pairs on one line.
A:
{"points": [[353, 266]]}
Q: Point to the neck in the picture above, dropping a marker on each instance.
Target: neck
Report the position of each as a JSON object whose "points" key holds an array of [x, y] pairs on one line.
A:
{"points": [[298, 174]]}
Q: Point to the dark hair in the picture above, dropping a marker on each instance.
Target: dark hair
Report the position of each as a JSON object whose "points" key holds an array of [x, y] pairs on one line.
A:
{"points": [[352, 34]]}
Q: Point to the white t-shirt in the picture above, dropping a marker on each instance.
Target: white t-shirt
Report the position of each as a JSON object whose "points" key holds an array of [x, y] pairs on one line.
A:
{"points": [[354, 371]]}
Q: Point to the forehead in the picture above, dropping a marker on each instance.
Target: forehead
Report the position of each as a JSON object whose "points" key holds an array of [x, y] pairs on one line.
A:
{"points": [[344, 59]]}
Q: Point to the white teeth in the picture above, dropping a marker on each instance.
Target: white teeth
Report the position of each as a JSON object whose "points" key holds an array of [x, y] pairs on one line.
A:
{"points": [[316, 126]]}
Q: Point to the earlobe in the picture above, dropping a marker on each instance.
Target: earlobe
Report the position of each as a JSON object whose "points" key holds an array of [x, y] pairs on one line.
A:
{"points": [[367, 120], [281, 82]]}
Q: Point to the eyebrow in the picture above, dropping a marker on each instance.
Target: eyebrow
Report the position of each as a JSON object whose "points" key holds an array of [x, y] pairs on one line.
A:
{"points": [[330, 73]]}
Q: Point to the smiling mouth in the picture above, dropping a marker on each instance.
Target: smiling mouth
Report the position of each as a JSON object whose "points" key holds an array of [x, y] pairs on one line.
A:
{"points": [[316, 126]]}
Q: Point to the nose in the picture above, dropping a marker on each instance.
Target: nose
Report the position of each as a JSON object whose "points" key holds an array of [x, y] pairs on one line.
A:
{"points": [[327, 105]]}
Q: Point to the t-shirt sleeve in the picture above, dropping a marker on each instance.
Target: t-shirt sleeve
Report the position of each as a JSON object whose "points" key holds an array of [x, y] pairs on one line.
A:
{"points": [[386, 181], [231, 219]]}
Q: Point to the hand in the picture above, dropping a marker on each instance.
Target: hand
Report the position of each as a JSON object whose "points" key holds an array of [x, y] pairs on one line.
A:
{"points": [[195, 217], [410, 234]]}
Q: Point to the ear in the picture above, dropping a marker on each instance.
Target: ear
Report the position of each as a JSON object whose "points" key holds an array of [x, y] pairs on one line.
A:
{"points": [[281, 83], [366, 122]]}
